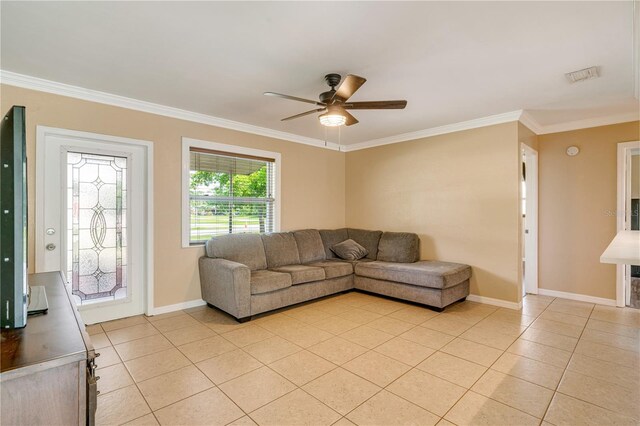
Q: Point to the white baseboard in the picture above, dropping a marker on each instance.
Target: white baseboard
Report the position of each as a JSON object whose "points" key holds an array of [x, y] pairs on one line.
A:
{"points": [[576, 296], [178, 306], [495, 302]]}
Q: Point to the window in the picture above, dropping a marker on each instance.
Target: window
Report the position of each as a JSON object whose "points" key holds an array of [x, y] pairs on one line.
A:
{"points": [[228, 190]]}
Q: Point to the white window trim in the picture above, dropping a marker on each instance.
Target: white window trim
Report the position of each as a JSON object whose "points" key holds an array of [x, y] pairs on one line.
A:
{"points": [[187, 144]]}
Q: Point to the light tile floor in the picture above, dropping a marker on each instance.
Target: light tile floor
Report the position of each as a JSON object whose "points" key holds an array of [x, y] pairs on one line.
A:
{"points": [[360, 359]]}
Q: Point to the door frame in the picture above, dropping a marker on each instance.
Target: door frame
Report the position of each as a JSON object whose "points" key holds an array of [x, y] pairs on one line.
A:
{"points": [[44, 132], [531, 249], [623, 209]]}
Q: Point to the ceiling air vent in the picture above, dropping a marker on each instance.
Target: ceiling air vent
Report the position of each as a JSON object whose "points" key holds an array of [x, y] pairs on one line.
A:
{"points": [[582, 75]]}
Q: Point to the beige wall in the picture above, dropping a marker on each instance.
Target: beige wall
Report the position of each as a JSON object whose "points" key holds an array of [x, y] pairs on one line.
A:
{"points": [[635, 176], [312, 178], [576, 204], [458, 191], [527, 136]]}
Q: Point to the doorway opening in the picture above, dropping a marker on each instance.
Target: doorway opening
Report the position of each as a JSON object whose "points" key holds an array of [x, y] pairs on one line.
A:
{"points": [[529, 212], [628, 218]]}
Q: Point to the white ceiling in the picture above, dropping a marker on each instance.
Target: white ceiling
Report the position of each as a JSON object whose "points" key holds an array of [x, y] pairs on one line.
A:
{"points": [[452, 61]]}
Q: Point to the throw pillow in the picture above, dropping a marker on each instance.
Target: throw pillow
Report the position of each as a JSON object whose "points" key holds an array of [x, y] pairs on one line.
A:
{"points": [[349, 250]]}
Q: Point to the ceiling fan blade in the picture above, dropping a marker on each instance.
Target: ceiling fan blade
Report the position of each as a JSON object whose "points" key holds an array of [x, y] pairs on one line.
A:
{"points": [[351, 120], [303, 114], [376, 105], [348, 87], [293, 98]]}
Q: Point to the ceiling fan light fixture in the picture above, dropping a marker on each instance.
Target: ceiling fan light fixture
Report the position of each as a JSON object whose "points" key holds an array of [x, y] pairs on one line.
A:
{"points": [[332, 119], [333, 103]]}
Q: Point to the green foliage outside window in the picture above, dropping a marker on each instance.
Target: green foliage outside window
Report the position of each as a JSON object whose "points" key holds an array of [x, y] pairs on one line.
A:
{"points": [[217, 184], [252, 185]]}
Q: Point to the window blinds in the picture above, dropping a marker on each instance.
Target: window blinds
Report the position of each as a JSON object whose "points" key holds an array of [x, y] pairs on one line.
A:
{"points": [[230, 193]]}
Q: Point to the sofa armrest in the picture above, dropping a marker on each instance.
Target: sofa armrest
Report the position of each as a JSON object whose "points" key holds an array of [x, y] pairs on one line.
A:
{"points": [[226, 285]]}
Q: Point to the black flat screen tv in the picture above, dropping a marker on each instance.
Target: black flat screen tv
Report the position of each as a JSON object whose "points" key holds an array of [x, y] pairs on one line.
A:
{"points": [[13, 219]]}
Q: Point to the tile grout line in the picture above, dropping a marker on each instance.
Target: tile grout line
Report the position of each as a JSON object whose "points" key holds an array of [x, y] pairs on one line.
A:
{"points": [[242, 348], [564, 372], [153, 412], [296, 386], [288, 393], [214, 386], [130, 375], [190, 361], [388, 315], [567, 369], [339, 366], [384, 388], [505, 351], [489, 368]]}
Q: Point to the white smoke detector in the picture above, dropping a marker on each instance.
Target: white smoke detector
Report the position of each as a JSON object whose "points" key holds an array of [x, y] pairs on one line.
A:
{"points": [[582, 75], [572, 151]]}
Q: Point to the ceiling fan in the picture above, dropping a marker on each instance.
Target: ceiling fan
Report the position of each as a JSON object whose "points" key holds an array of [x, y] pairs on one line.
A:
{"points": [[334, 103]]}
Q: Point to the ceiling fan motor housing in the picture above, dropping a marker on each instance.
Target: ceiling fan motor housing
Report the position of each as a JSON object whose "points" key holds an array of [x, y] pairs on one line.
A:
{"points": [[325, 97], [332, 80]]}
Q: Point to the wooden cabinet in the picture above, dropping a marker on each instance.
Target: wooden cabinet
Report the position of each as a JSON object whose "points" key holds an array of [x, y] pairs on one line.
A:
{"points": [[48, 368]]}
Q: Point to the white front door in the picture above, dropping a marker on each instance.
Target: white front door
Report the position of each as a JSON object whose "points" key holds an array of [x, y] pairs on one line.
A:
{"points": [[91, 220]]}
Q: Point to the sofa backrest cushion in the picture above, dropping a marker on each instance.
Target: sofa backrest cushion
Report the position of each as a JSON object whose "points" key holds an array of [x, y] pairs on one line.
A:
{"points": [[400, 247], [242, 248], [331, 237], [310, 248], [367, 239], [280, 249]]}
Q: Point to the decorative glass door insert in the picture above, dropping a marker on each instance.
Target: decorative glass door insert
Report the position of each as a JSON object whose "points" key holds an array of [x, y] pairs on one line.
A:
{"points": [[96, 227]]}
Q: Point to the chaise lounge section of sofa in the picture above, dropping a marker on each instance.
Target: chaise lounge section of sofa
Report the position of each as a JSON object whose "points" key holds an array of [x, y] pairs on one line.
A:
{"points": [[249, 274]]}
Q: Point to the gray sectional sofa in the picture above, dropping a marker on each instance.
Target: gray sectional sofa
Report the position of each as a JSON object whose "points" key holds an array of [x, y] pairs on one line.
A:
{"points": [[248, 274]]}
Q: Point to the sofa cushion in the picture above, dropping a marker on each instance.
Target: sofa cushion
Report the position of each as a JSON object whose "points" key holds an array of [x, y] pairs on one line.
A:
{"points": [[331, 237], [334, 268], [265, 281], [353, 262], [425, 273], [401, 247], [310, 248], [301, 274], [280, 249], [349, 250], [242, 248], [367, 239]]}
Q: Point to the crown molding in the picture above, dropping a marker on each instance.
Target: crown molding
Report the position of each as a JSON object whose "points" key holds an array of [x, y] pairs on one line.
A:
{"points": [[587, 123], [531, 123], [48, 86], [491, 120]]}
